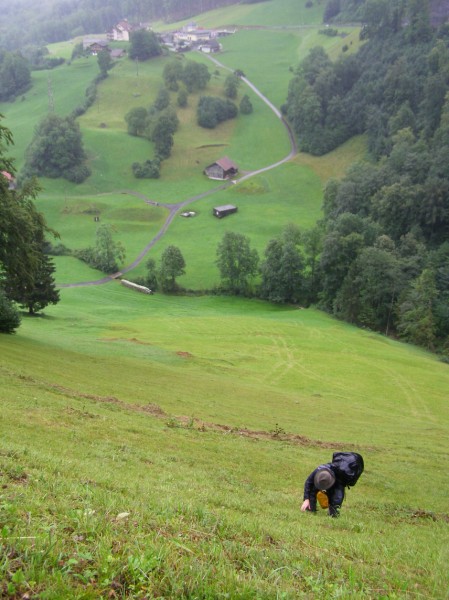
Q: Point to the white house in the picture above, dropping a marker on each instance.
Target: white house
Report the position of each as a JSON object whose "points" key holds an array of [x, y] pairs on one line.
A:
{"points": [[120, 32]]}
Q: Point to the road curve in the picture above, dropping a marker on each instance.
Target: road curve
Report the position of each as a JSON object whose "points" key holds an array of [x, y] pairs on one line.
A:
{"points": [[174, 208]]}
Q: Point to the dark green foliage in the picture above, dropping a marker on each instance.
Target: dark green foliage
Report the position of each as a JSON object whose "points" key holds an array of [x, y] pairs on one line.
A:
{"points": [[26, 272], [370, 289], [150, 169], [107, 253], [398, 79], [331, 10], [160, 130], [42, 293], [213, 110], [136, 119], [173, 74], [417, 322], [182, 98], [77, 174], [144, 45], [90, 94], [152, 274], [282, 271], [39, 58], [172, 266], [195, 76], [56, 150], [9, 315], [231, 86], [237, 263], [104, 62], [162, 100], [15, 77], [245, 106], [385, 254], [77, 51]]}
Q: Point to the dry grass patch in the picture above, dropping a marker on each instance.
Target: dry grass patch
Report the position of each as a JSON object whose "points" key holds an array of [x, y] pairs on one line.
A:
{"points": [[335, 163]]}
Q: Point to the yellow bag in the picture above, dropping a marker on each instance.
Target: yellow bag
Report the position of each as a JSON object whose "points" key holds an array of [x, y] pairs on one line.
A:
{"points": [[323, 499]]}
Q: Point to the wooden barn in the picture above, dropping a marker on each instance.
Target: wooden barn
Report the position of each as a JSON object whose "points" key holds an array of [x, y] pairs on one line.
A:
{"points": [[224, 211], [222, 169]]}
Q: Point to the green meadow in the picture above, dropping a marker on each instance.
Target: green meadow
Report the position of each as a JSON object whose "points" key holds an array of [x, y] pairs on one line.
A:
{"points": [[157, 446]]}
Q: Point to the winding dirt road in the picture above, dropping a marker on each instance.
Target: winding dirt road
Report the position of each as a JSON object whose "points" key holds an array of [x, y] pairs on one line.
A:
{"points": [[175, 208]]}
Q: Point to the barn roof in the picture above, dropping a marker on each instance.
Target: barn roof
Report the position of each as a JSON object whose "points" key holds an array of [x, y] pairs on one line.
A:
{"points": [[226, 163]]}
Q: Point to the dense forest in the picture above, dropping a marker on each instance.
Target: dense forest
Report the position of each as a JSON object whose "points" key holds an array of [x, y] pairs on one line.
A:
{"points": [[384, 256]]}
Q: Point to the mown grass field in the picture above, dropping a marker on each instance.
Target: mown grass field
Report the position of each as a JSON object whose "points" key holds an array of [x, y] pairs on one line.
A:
{"points": [[156, 446]]}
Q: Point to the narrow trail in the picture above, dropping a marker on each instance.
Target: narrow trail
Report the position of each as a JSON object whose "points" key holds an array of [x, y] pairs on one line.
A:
{"points": [[173, 209]]}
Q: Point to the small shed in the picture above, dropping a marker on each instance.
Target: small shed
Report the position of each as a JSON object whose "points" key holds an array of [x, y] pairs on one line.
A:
{"points": [[223, 168], [224, 211]]}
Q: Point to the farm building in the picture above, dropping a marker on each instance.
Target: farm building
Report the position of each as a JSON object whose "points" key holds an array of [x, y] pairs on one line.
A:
{"points": [[210, 47], [223, 168], [224, 211], [94, 46]]}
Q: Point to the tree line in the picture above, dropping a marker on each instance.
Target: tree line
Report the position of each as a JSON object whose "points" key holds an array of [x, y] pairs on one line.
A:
{"points": [[382, 260]]}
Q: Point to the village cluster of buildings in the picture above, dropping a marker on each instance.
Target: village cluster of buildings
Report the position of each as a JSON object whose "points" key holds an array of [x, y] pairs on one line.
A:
{"points": [[187, 38], [190, 37]]}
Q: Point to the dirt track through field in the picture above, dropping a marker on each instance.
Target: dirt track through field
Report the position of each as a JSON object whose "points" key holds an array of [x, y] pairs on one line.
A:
{"points": [[173, 209]]}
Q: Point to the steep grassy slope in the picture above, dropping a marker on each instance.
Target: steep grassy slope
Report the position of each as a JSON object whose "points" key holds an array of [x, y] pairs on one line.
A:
{"points": [[157, 447]]}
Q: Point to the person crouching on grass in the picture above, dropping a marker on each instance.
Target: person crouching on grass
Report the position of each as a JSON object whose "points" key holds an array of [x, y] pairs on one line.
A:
{"points": [[322, 485]]}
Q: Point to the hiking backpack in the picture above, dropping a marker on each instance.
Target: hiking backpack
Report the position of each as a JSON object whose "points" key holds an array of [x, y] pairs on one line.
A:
{"points": [[348, 466]]}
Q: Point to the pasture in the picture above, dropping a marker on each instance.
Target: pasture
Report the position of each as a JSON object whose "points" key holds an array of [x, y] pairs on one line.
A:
{"points": [[157, 446]]}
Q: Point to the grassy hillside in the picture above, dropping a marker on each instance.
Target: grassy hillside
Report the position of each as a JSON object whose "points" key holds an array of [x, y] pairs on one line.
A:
{"points": [[157, 447]]}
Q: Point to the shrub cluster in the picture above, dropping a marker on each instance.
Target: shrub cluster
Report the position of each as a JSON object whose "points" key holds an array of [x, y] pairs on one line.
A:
{"points": [[213, 110]]}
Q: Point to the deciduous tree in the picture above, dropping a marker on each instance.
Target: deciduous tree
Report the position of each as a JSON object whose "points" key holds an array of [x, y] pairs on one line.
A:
{"points": [[108, 252], [237, 262], [56, 150], [172, 266], [144, 45]]}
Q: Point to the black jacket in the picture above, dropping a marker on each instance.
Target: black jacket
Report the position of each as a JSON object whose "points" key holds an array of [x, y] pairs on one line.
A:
{"points": [[335, 494]]}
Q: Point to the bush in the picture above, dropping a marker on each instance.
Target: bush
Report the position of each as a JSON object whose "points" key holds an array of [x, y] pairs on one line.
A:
{"points": [[56, 250], [182, 98], [9, 315], [246, 107], [213, 110], [77, 174], [150, 169]]}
